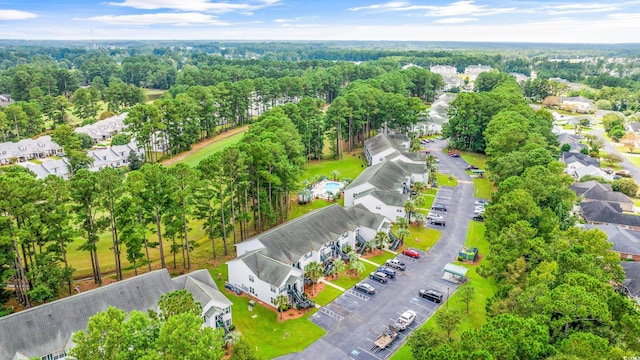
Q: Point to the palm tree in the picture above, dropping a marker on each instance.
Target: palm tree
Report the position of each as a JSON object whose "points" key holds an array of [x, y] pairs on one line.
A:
{"points": [[281, 302], [335, 174], [380, 240], [313, 271], [402, 233], [420, 201], [231, 338], [356, 266], [419, 219], [419, 186], [337, 268], [409, 208], [403, 223]]}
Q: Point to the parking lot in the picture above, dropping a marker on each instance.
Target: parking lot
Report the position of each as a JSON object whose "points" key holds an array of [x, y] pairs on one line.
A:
{"points": [[354, 320]]}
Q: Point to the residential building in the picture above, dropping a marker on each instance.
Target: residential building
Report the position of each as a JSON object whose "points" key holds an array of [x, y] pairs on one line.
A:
{"points": [[602, 212], [444, 70], [113, 156], [573, 140], [5, 100], [104, 129], [519, 77], [46, 167], [387, 203], [625, 242], [45, 331], [595, 191], [273, 262], [390, 176], [27, 149], [631, 284], [579, 104], [473, 71], [383, 147]]}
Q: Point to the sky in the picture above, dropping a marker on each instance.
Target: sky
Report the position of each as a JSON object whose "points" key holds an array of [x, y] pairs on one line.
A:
{"points": [[538, 21]]}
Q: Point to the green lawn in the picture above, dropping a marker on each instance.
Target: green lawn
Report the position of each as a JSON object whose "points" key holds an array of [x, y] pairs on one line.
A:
{"points": [[327, 295], [380, 259], [421, 237], [447, 180], [298, 210], [479, 160], [347, 280], [153, 94], [349, 167], [270, 337], [475, 237], [195, 158], [482, 188]]}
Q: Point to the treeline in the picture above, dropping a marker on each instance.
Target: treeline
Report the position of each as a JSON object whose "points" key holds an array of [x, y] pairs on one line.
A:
{"points": [[241, 189], [557, 292]]}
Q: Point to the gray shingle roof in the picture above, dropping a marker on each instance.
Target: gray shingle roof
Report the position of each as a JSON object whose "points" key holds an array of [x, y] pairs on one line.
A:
{"points": [[289, 241], [387, 197], [380, 143], [632, 272], [610, 213], [624, 241], [593, 190], [569, 157], [387, 176], [572, 140], [635, 126], [365, 217], [46, 328], [266, 269], [204, 289]]}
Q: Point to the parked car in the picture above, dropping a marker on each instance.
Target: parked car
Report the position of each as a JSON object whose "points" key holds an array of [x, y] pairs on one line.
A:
{"points": [[364, 287], [396, 264], [478, 217], [439, 207], [617, 177], [433, 216], [471, 167], [454, 154], [378, 276], [405, 320], [430, 140], [423, 141], [481, 202], [426, 151], [411, 253], [387, 270], [431, 294], [437, 222]]}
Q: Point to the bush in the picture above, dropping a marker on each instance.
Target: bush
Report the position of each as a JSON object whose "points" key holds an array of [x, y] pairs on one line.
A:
{"points": [[121, 139], [232, 327]]}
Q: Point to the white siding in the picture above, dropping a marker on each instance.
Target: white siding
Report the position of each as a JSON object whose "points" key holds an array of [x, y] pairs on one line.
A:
{"points": [[348, 193], [381, 156], [247, 246], [377, 207]]}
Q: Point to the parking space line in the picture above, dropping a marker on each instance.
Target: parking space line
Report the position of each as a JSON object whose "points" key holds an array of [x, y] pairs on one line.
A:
{"points": [[367, 351]]}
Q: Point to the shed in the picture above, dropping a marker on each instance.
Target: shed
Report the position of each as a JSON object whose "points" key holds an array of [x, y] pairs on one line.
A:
{"points": [[455, 273], [478, 172]]}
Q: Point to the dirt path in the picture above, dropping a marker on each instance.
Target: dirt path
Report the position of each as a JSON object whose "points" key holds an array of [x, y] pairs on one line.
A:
{"points": [[197, 147]]}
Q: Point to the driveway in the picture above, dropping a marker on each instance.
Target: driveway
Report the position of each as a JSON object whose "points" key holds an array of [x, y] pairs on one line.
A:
{"points": [[353, 321]]}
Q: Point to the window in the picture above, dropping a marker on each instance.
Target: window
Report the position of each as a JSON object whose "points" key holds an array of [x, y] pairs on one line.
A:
{"points": [[227, 309], [399, 210], [381, 159], [252, 290], [274, 289], [251, 278], [378, 207]]}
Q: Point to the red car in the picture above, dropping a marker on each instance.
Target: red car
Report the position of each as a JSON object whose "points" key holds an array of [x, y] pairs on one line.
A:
{"points": [[411, 253]]}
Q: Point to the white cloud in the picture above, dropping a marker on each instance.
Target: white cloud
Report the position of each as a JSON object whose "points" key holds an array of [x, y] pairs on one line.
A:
{"points": [[390, 6], [455, 20], [458, 8], [182, 19], [16, 15], [577, 8], [196, 5]]}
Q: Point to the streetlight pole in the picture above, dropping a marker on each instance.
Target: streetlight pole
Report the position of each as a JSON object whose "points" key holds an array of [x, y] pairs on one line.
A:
{"points": [[447, 296]]}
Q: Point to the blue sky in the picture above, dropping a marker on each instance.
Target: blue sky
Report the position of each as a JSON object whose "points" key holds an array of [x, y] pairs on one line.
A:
{"points": [[557, 21]]}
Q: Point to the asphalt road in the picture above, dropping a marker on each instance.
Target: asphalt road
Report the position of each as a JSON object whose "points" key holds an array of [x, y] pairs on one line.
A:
{"points": [[625, 164], [354, 320]]}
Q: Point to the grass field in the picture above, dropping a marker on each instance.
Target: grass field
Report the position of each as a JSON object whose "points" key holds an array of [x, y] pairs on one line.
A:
{"points": [[349, 167], [298, 210], [380, 259], [195, 158], [482, 188], [153, 94], [447, 180], [348, 280], [421, 237], [478, 160], [327, 295]]}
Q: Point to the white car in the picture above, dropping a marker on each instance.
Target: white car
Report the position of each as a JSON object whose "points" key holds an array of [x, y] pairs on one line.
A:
{"points": [[432, 216]]}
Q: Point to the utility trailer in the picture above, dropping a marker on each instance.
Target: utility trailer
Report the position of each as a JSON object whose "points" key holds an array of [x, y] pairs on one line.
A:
{"points": [[385, 339]]}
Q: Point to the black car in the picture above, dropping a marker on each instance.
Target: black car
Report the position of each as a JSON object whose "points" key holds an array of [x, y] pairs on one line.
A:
{"points": [[431, 294], [439, 207], [378, 276], [387, 270], [471, 167], [478, 218]]}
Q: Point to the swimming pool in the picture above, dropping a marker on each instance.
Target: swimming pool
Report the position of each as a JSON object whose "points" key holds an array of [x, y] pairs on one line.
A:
{"points": [[332, 186]]}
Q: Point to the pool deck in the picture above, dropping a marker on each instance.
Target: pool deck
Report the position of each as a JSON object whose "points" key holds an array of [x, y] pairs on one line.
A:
{"points": [[320, 192]]}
